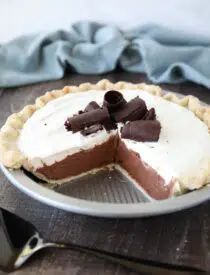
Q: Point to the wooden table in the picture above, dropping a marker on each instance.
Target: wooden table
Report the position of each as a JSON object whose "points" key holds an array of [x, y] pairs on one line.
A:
{"points": [[182, 238]]}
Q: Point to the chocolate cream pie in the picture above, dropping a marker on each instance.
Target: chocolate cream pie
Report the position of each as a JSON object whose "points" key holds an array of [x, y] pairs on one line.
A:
{"points": [[159, 141]]}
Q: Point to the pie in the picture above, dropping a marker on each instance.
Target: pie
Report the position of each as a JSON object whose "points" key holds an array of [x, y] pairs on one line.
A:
{"points": [[159, 141]]}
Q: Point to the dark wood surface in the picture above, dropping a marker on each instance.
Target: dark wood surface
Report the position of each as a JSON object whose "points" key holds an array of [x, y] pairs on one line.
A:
{"points": [[181, 238]]}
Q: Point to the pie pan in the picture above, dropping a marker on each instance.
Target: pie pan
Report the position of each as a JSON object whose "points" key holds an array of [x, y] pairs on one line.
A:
{"points": [[105, 194]]}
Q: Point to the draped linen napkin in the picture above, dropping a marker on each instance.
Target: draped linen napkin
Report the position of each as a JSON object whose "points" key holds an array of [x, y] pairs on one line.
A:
{"points": [[165, 55]]}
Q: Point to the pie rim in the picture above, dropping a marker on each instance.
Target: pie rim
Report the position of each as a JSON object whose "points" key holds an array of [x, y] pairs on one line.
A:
{"points": [[10, 155]]}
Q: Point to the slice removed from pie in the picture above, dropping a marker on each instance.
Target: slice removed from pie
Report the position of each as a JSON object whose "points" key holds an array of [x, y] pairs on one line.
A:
{"points": [[160, 142]]}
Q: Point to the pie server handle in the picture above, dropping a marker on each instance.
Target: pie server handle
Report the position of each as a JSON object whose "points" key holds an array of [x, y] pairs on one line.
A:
{"points": [[19, 240], [138, 265]]}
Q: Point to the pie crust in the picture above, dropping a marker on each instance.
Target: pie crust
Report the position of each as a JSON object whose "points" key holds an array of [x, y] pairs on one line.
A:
{"points": [[10, 155]]}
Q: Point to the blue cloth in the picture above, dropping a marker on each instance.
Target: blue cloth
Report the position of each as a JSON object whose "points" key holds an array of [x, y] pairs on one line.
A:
{"points": [[91, 48]]}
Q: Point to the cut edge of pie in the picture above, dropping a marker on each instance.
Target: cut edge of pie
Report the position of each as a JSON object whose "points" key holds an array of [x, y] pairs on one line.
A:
{"points": [[11, 156]]}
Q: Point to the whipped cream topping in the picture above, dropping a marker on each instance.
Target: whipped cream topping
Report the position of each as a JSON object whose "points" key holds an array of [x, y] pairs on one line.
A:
{"points": [[44, 138], [182, 151]]}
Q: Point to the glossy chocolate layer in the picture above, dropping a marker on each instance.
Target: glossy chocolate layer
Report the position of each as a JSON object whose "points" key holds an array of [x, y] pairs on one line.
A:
{"points": [[81, 162], [112, 151], [144, 175]]}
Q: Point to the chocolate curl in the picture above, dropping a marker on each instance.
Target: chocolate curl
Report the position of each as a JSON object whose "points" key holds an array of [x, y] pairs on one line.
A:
{"points": [[67, 125], [87, 119], [109, 125], [92, 129], [142, 130], [114, 101], [150, 115], [133, 110], [79, 113], [92, 106]]}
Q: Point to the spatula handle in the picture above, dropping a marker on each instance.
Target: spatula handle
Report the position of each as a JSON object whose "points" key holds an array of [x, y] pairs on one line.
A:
{"points": [[17, 249], [143, 266]]}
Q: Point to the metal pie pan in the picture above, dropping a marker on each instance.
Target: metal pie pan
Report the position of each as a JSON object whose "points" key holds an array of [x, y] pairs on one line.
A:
{"points": [[104, 209], [106, 194]]}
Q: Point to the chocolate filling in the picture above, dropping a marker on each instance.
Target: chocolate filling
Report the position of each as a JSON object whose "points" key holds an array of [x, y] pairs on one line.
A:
{"points": [[83, 161], [112, 151], [144, 175]]}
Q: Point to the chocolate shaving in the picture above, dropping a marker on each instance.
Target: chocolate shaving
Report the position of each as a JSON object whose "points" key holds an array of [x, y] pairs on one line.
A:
{"points": [[92, 106], [92, 129], [114, 101], [109, 125], [133, 110], [87, 119], [142, 130], [80, 112], [67, 124], [150, 115]]}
